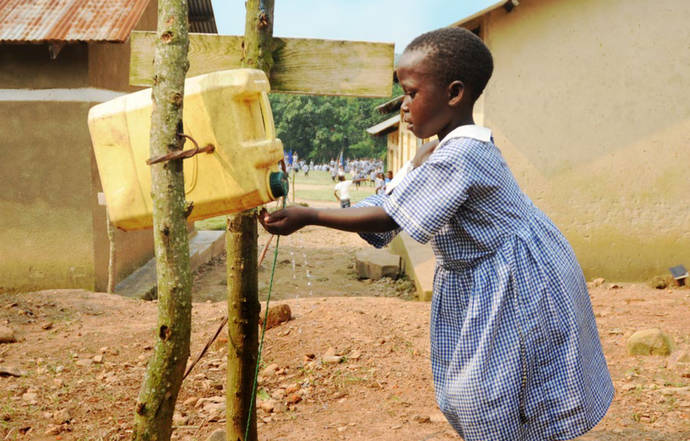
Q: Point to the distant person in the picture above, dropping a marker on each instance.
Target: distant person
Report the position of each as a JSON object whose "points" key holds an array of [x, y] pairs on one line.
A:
{"points": [[342, 190], [379, 183], [515, 351]]}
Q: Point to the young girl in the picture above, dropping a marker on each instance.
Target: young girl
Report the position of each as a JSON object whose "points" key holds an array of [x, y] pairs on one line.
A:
{"points": [[515, 351]]}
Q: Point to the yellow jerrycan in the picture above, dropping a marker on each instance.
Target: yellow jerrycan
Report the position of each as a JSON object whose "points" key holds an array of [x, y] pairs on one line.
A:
{"points": [[228, 110]]}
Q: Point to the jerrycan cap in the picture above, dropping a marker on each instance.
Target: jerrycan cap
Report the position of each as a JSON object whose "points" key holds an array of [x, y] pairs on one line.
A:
{"points": [[278, 184]]}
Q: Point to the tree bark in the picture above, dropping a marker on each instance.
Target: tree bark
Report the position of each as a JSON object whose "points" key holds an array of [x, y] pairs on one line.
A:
{"points": [[241, 233], [156, 402], [243, 326], [111, 253]]}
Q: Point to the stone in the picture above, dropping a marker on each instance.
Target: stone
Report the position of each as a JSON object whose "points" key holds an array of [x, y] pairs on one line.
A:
{"points": [[30, 397], [98, 359], [7, 335], [62, 416], [179, 419], [53, 429], [355, 355], [191, 401], [597, 282], [331, 359], [11, 371], [276, 316], [267, 405], [294, 399], [437, 417], [270, 370], [375, 264], [84, 362], [218, 435], [649, 342], [47, 325], [421, 419]]}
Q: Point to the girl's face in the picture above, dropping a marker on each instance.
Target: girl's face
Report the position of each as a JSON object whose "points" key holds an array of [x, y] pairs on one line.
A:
{"points": [[425, 106]]}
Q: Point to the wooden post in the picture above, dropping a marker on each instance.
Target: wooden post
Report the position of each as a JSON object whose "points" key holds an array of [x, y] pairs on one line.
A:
{"points": [[156, 402], [243, 292]]}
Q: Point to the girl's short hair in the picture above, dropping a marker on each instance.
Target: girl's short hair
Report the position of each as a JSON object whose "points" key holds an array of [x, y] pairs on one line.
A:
{"points": [[457, 54]]}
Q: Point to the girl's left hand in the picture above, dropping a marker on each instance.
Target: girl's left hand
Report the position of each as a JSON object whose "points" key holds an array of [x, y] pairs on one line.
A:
{"points": [[285, 221]]}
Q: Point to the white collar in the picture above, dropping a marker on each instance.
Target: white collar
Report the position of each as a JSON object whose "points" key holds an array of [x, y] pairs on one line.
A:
{"points": [[474, 131]]}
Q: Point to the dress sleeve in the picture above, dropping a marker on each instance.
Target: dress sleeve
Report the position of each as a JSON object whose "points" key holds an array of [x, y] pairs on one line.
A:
{"points": [[431, 194], [378, 240]]}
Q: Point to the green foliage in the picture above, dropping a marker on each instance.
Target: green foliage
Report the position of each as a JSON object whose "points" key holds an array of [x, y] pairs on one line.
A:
{"points": [[319, 127]]}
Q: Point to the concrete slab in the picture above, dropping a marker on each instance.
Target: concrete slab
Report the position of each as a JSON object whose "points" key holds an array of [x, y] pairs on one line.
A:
{"points": [[418, 263], [203, 246], [374, 264]]}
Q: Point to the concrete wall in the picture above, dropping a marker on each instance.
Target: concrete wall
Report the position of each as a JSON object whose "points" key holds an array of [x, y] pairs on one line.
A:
{"points": [[52, 230], [590, 104], [108, 65]]}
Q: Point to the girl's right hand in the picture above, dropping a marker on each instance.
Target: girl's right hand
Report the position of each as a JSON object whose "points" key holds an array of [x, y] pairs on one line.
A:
{"points": [[285, 221]]}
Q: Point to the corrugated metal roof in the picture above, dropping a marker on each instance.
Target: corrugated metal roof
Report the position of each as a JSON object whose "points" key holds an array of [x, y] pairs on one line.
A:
{"points": [[385, 126], [35, 21], [68, 20]]}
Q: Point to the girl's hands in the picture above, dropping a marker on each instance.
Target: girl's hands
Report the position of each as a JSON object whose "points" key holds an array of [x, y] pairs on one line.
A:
{"points": [[285, 221]]}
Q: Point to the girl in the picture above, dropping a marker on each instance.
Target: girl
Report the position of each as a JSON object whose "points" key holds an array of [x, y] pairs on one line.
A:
{"points": [[515, 351]]}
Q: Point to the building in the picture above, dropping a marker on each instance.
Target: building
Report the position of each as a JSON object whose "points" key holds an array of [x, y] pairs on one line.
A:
{"points": [[590, 104], [57, 59]]}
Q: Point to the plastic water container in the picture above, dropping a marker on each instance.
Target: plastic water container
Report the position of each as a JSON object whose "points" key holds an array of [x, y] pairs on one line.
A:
{"points": [[227, 109]]}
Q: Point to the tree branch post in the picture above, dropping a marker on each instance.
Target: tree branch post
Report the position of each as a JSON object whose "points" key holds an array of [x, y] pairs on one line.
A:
{"points": [[156, 401], [243, 295]]}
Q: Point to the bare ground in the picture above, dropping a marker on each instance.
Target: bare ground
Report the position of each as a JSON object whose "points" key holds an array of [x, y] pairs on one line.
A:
{"points": [[381, 390]]}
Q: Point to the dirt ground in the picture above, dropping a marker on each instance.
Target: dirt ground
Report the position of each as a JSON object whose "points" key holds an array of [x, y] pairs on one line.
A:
{"points": [[352, 364]]}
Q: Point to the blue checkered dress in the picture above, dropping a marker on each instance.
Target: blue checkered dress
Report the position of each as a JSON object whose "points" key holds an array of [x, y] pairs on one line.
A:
{"points": [[515, 352]]}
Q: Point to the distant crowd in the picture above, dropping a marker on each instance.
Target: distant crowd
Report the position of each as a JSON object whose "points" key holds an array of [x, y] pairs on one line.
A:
{"points": [[357, 170]]}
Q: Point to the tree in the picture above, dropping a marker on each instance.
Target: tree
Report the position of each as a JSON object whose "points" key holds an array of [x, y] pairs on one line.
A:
{"points": [[156, 402], [319, 127]]}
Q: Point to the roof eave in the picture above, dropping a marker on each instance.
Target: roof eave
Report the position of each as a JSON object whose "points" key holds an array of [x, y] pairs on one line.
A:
{"points": [[507, 4]]}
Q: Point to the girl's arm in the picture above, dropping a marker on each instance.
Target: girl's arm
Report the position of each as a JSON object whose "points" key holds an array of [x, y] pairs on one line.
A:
{"points": [[356, 219]]}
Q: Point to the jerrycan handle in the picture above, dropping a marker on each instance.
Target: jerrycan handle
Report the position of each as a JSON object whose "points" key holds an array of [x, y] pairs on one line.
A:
{"points": [[182, 154]]}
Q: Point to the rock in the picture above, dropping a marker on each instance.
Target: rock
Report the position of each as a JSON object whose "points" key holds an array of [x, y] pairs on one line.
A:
{"points": [[330, 352], [7, 335], [84, 362], [292, 388], [437, 417], [659, 282], [421, 419], [98, 359], [53, 429], [355, 355], [276, 315], [597, 282], [30, 397], [47, 325], [218, 435], [11, 371], [270, 370], [62, 416], [374, 264], [190, 402], [331, 359], [294, 399], [179, 419], [278, 394], [649, 342], [267, 405]]}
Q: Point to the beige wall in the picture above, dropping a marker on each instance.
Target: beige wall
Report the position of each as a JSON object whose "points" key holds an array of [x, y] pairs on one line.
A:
{"points": [[590, 104], [109, 62], [52, 230]]}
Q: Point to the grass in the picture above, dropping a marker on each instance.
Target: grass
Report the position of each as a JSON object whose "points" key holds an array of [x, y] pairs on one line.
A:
{"points": [[320, 188]]}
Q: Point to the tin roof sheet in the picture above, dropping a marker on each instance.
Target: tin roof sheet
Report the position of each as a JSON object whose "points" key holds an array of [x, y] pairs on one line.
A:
{"points": [[35, 21], [68, 20]]}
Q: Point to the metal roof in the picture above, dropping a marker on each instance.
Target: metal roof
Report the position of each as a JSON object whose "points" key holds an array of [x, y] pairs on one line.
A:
{"points": [[36, 21], [507, 4], [385, 126]]}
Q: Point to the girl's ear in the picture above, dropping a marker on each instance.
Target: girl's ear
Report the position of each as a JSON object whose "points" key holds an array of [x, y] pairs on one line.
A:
{"points": [[456, 91]]}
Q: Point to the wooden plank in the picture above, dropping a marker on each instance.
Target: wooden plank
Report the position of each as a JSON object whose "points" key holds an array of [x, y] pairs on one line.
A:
{"points": [[304, 66]]}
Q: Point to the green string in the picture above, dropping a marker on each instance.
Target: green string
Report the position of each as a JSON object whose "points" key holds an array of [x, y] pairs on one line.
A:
{"points": [[263, 332]]}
